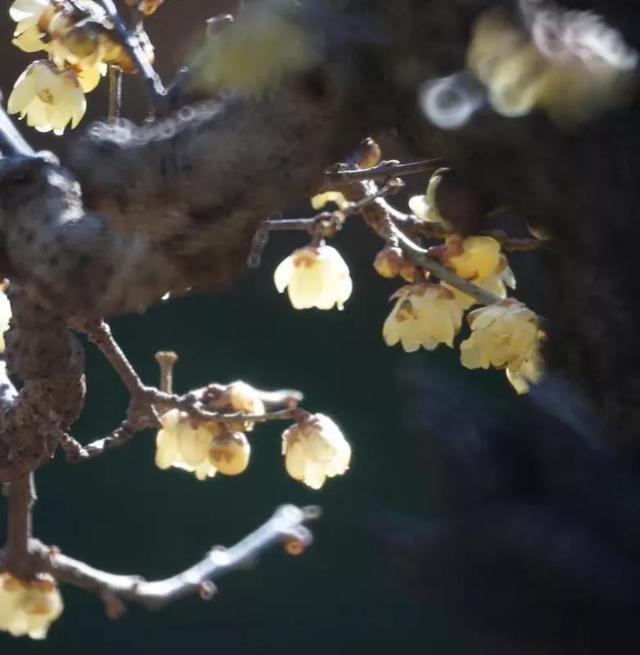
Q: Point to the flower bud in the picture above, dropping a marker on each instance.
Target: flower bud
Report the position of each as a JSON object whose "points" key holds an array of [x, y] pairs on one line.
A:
{"points": [[229, 452], [389, 262]]}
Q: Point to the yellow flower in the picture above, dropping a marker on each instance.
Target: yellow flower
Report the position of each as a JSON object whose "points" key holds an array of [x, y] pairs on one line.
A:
{"points": [[229, 453], [32, 17], [239, 397], [496, 283], [473, 257], [315, 449], [28, 12], [321, 199], [28, 39], [183, 446], [572, 77], [89, 77], [28, 608], [49, 98], [507, 336], [314, 277], [424, 315], [203, 450], [522, 374], [425, 207]]}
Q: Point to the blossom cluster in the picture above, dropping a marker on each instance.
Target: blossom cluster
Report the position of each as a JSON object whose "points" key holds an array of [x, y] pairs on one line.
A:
{"points": [[79, 44], [28, 608], [581, 69], [427, 312], [314, 447]]}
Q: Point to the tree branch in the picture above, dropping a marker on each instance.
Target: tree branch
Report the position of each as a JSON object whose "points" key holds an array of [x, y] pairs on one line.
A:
{"points": [[99, 333], [383, 171], [20, 498], [155, 89], [286, 524]]}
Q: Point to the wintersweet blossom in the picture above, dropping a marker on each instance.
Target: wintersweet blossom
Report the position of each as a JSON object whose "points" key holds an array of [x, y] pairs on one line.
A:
{"points": [[239, 397], [425, 315], [28, 12], [49, 98], [28, 608], [180, 445], [321, 199], [314, 276], [204, 449], [496, 283], [33, 19], [473, 257], [425, 206], [315, 449], [507, 336]]}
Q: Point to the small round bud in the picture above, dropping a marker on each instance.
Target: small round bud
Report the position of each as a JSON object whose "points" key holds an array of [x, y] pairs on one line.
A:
{"points": [[294, 547], [389, 262], [229, 453]]}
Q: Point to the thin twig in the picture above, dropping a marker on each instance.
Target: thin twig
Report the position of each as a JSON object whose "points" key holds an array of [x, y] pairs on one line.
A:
{"points": [[420, 257], [381, 222], [287, 523], [198, 412], [384, 170], [281, 397], [115, 91], [99, 333], [415, 227], [325, 224], [155, 89], [75, 452]]}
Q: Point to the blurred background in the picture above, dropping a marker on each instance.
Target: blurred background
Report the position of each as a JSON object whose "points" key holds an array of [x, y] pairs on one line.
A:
{"points": [[121, 513]]}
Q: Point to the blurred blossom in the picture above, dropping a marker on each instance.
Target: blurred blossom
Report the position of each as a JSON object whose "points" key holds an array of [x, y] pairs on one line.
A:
{"points": [[572, 65], [321, 199], [28, 608]]}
